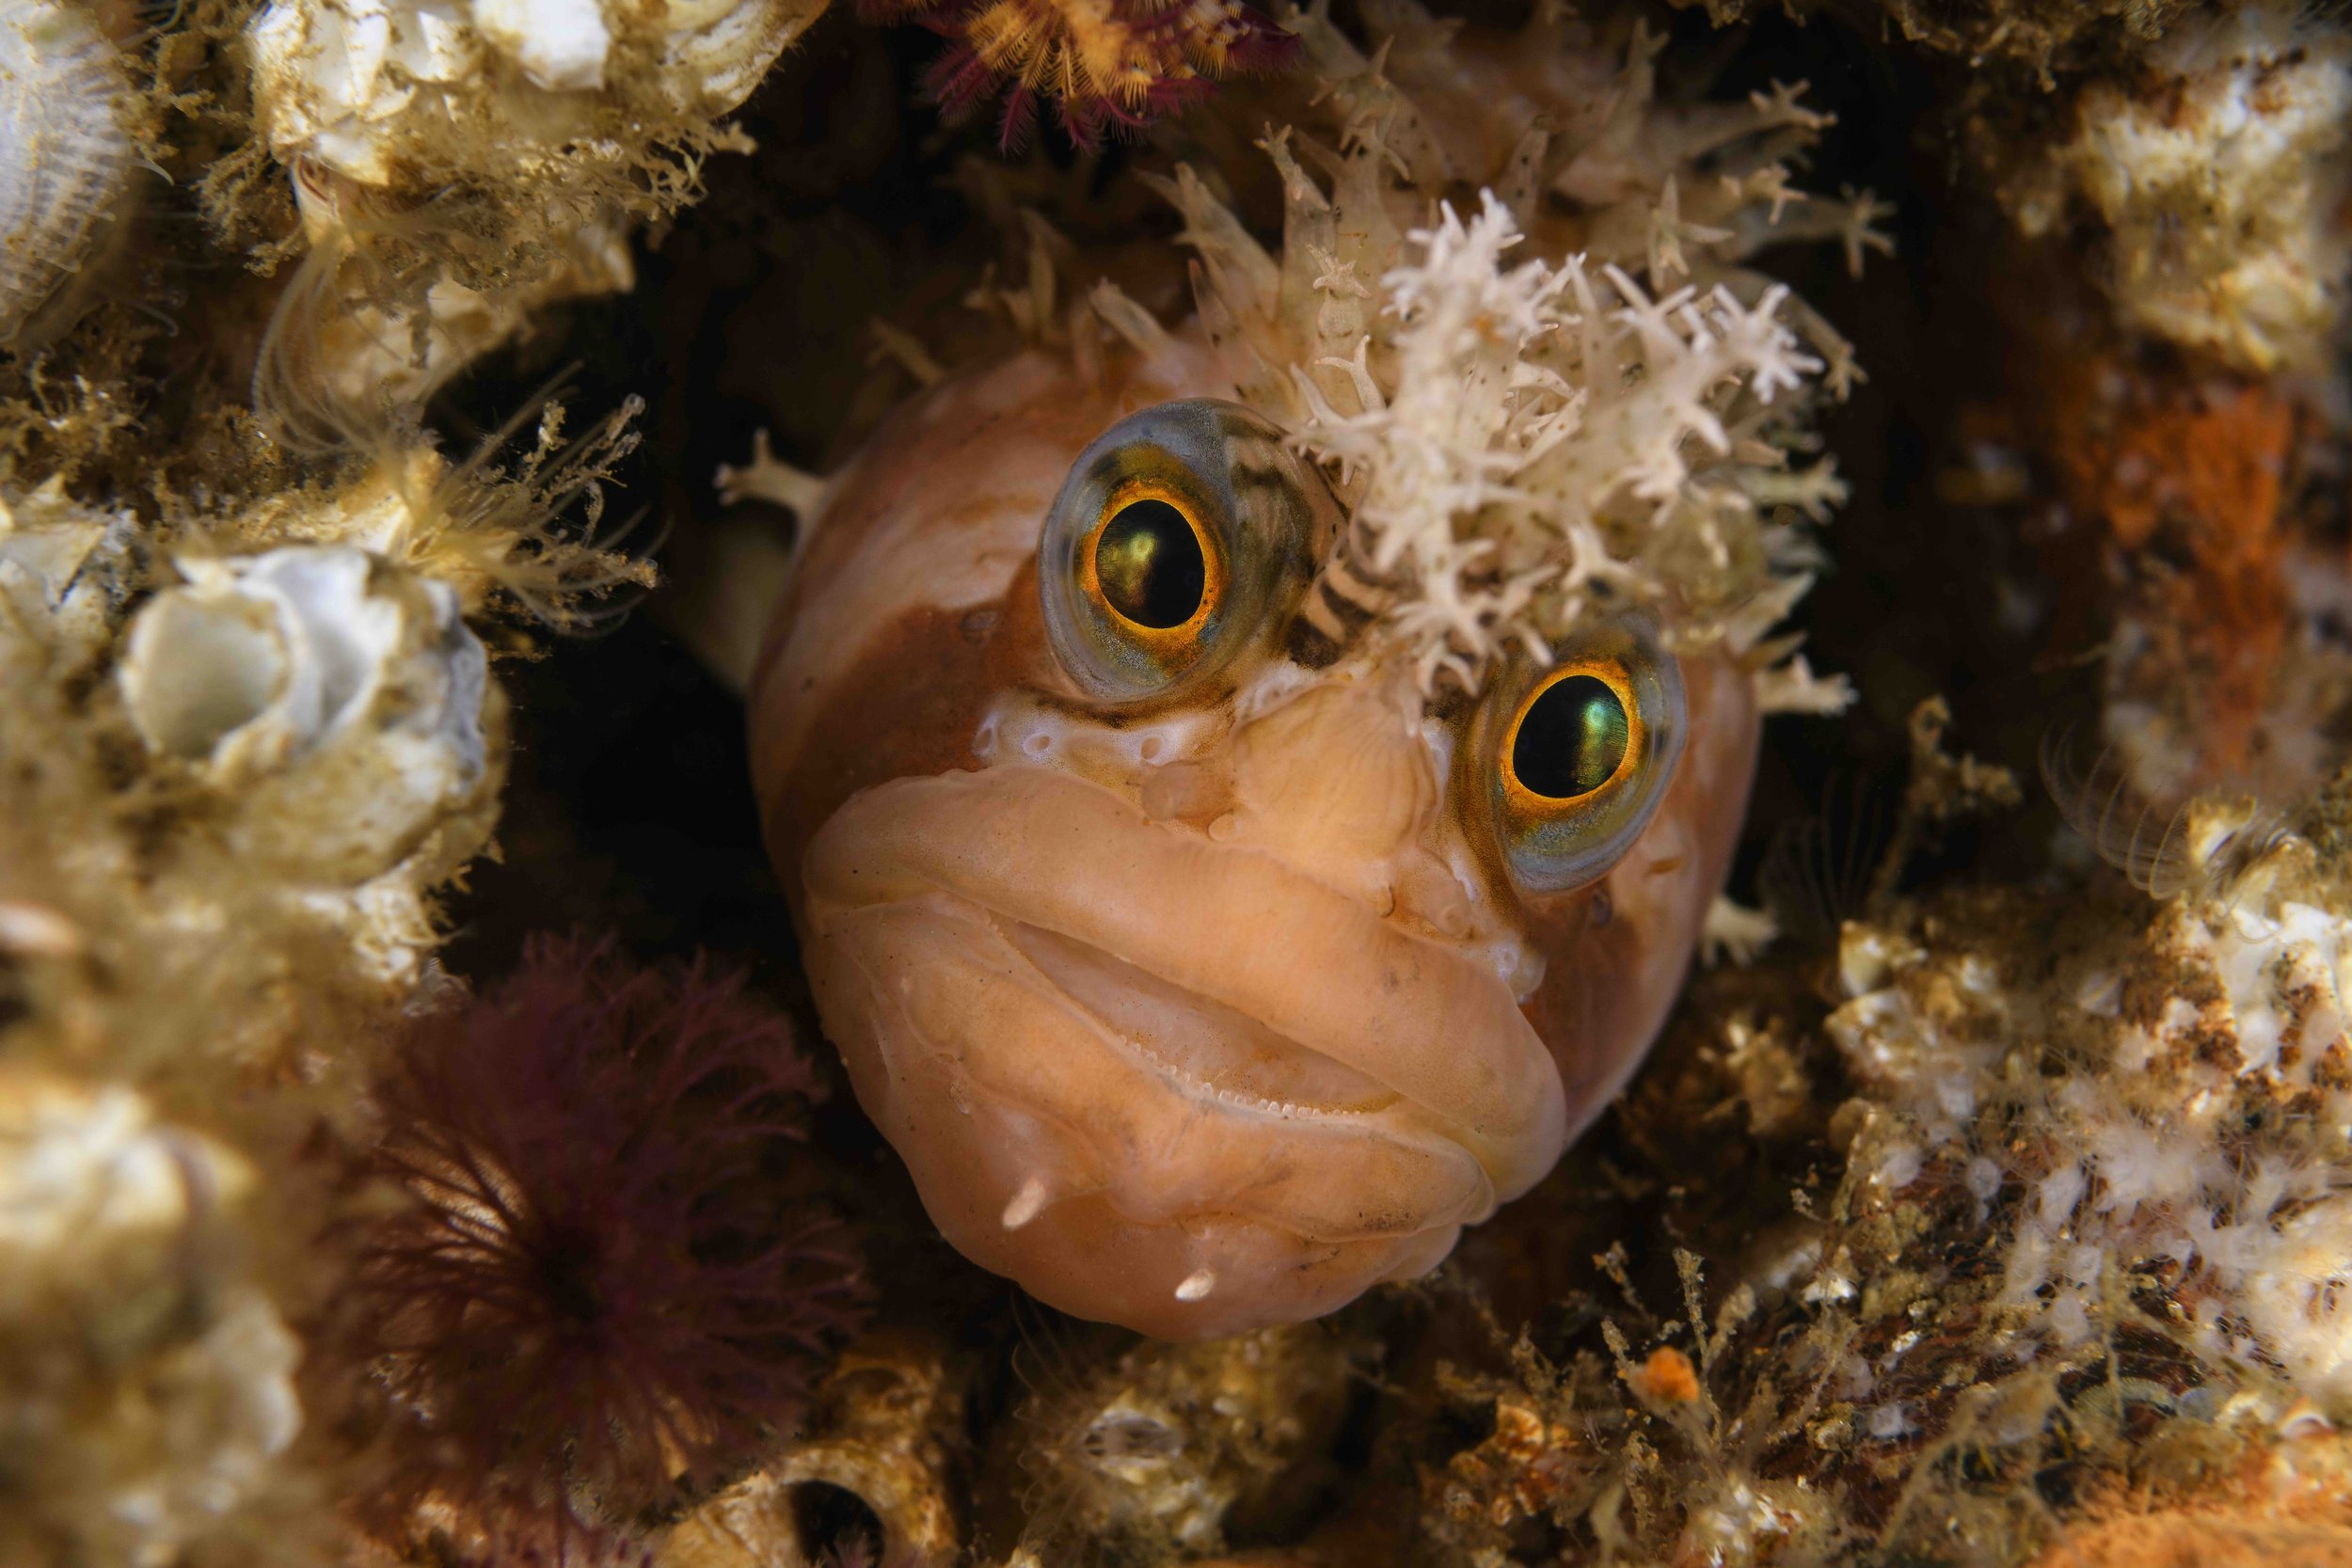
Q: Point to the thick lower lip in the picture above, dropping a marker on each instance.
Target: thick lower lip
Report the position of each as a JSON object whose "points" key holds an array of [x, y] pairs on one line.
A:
{"points": [[1237, 982]]}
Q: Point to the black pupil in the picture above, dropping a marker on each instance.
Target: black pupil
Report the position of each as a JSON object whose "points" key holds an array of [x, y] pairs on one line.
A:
{"points": [[1149, 562], [1572, 739]]}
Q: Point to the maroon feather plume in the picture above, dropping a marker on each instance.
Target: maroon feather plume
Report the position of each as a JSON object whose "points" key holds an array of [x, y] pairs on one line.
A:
{"points": [[600, 1288]]}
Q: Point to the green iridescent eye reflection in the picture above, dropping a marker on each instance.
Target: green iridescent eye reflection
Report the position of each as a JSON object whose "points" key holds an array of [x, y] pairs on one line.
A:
{"points": [[1149, 562], [1572, 739]]}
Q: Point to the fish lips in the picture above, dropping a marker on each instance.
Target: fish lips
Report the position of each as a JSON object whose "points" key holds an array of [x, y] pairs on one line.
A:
{"points": [[1160, 1080]]}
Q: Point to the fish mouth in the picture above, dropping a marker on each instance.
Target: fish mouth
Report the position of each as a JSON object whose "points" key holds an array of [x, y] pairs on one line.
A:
{"points": [[1044, 996]]}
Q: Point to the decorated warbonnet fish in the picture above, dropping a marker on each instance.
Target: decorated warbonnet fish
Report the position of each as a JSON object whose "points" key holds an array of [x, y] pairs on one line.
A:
{"points": [[1225, 874]]}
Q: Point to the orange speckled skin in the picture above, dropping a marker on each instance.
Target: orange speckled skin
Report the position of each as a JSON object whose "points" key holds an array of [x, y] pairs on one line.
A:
{"points": [[1198, 1019]]}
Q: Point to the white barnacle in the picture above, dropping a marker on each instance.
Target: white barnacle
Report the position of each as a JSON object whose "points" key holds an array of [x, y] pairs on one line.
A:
{"points": [[340, 699]]}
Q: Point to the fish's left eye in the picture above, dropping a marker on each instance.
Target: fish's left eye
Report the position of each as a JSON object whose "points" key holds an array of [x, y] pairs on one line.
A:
{"points": [[1578, 753], [1185, 536]]}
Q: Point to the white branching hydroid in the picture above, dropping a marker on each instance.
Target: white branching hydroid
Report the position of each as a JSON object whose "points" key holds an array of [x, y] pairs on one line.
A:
{"points": [[1544, 419], [1574, 394]]}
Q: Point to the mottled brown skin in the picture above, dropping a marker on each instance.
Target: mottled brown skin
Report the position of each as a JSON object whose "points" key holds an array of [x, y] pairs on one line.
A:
{"points": [[911, 629]]}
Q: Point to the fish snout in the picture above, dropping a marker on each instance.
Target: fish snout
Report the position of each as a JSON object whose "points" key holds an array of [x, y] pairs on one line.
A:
{"points": [[1172, 1080]]}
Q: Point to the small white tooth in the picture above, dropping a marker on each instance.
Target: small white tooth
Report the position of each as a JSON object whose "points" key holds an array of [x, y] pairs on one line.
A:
{"points": [[1027, 1204], [1197, 1284]]}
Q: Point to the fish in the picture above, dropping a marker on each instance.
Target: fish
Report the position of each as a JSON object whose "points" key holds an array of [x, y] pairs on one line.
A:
{"points": [[1203, 965]]}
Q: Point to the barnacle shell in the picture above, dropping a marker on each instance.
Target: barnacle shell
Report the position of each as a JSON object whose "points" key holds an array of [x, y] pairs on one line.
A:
{"points": [[340, 698], [64, 112], [887, 1427], [380, 89], [60, 572], [147, 1386], [459, 165]]}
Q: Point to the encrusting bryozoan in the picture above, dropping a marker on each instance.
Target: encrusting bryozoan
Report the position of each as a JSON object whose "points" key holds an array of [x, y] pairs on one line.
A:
{"points": [[2193, 1129]]}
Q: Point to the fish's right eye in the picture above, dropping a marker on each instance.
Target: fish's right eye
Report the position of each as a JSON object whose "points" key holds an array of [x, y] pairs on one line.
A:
{"points": [[1184, 536]]}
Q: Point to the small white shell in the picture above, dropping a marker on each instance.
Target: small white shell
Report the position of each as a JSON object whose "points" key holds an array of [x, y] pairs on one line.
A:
{"points": [[339, 700], [66, 156]]}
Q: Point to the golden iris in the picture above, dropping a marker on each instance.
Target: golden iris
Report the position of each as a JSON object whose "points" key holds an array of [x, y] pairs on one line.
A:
{"points": [[1571, 739], [1572, 735], [1154, 569], [1148, 561]]}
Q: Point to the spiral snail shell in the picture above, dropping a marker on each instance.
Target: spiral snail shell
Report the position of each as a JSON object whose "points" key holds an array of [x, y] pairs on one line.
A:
{"points": [[66, 154]]}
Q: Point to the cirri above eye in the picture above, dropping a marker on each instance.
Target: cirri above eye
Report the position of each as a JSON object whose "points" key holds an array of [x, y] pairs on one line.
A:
{"points": [[1183, 537], [1578, 753]]}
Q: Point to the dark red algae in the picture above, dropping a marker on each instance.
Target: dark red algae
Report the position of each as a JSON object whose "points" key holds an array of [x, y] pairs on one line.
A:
{"points": [[600, 1293]]}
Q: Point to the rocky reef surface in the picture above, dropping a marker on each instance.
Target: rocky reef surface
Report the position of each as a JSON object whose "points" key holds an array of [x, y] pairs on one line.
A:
{"points": [[416, 1143]]}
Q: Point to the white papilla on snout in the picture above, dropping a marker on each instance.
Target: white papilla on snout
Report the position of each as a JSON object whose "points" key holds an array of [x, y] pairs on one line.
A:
{"points": [[974, 929]]}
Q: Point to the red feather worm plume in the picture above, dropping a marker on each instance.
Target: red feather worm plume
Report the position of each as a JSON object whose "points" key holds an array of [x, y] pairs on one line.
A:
{"points": [[600, 1288], [1106, 65]]}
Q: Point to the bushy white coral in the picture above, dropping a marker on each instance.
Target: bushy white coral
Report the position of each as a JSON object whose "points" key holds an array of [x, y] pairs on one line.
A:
{"points": [[1522, 426], [1544, 421]]}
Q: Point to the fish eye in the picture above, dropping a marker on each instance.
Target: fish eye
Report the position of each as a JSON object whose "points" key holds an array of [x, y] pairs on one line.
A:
{"points": [[1184, 537], [1571, 737], [1579, 752], [1149, 562]]}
